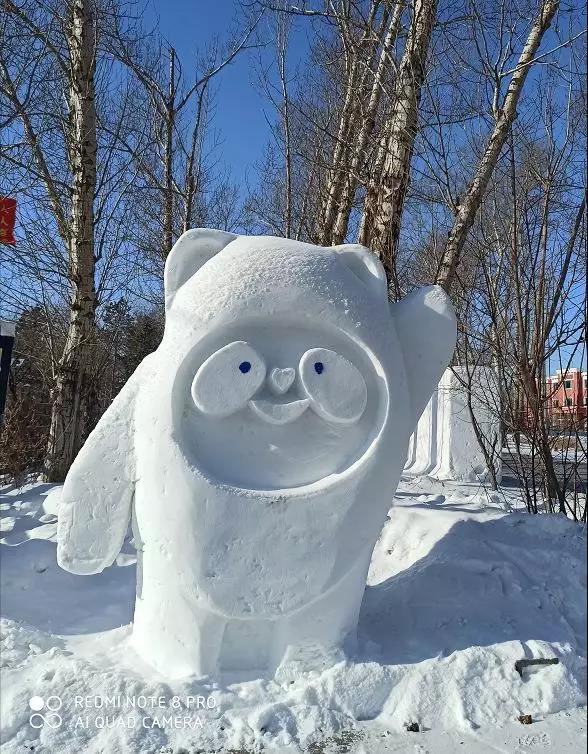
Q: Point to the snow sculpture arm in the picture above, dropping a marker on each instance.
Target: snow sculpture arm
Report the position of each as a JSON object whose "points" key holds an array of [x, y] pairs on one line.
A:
{"points": [[427, 329], [95, 505]]}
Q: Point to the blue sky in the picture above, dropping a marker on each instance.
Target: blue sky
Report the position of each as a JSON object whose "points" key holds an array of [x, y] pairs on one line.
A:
{"points": [[241, 112], [190, 25]]}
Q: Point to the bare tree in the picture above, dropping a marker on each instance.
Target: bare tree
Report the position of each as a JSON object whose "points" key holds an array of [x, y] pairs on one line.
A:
{"points": [[67, 108], [76, 65], [504, 113], [357, 44], [367, 124], [523, 310], [176, 110], [333, 109], [384, 201]]}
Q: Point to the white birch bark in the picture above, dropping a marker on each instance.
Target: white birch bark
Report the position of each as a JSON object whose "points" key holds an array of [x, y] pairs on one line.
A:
{"points": [[384, 200], [72, 393]]}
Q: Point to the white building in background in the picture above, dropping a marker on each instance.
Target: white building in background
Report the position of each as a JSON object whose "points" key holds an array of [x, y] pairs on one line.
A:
{"points": [[444, 444]]}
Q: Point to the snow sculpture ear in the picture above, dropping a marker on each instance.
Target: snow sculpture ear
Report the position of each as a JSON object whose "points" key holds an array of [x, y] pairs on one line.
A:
{"points": [[365, 265], [427, 329], [192, 249]]}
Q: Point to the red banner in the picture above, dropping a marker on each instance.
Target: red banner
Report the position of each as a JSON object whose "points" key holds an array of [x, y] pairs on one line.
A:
{"points": [[7, 219]]}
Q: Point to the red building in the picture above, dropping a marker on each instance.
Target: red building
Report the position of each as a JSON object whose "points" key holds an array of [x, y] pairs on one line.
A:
{"points": [[566, 397]]}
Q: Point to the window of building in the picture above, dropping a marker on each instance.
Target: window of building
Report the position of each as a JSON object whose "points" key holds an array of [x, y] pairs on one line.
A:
{"points": [[556, 403], [567, 384], [568, 401]]}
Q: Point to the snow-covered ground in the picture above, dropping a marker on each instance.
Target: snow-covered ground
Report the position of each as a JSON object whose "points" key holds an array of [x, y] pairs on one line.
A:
{"points": [[565, 450], [461, 586]]}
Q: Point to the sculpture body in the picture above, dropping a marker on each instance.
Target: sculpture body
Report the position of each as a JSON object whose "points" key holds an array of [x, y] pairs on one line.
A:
{"points": [[257, 451]]}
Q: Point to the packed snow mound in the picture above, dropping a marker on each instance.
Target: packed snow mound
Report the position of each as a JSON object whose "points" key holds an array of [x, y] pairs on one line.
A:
{"points": [[459, 591]]}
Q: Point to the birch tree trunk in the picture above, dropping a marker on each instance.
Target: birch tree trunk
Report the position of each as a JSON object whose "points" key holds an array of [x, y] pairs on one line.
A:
{"points": [[168, 184], [505, 117], [282, 45], [336, 173], [192, 178], [386, 193], [72, 402], [368, 122], [358, 54]]}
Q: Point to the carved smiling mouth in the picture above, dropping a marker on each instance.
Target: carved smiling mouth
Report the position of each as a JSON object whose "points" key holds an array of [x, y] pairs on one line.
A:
{"points": [[279, 413]]}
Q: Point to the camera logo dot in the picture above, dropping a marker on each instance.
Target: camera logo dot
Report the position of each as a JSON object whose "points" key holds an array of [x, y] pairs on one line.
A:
{"points": [[51, 717]]}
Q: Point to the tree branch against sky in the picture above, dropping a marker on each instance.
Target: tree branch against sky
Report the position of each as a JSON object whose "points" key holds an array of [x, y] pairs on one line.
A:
{"points": [[381, 121], [505, 112]]}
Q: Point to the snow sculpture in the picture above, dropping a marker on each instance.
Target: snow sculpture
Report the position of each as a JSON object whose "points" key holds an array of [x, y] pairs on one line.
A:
{"points": [[257, 451], [460, 456], [444, 443], [424, 440]]}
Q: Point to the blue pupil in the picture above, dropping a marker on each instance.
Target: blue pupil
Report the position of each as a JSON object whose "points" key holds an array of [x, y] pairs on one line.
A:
{"points": [[244, 367], [319, 367]]}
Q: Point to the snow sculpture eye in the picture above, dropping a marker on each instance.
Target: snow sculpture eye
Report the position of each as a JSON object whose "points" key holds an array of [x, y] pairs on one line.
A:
{"points": [[336, 388], [228, 379]]}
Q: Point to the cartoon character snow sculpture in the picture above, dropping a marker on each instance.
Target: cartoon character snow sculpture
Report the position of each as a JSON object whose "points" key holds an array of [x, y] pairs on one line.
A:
{"points": [[257, 451]]}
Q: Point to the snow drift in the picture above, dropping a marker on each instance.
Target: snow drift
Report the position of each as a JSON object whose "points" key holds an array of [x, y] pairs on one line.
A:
{"points": [[459, 590]]}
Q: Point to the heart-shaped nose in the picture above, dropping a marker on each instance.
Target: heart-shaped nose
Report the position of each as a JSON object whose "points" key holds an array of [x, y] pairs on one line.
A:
{"points": [[280, 380]]}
